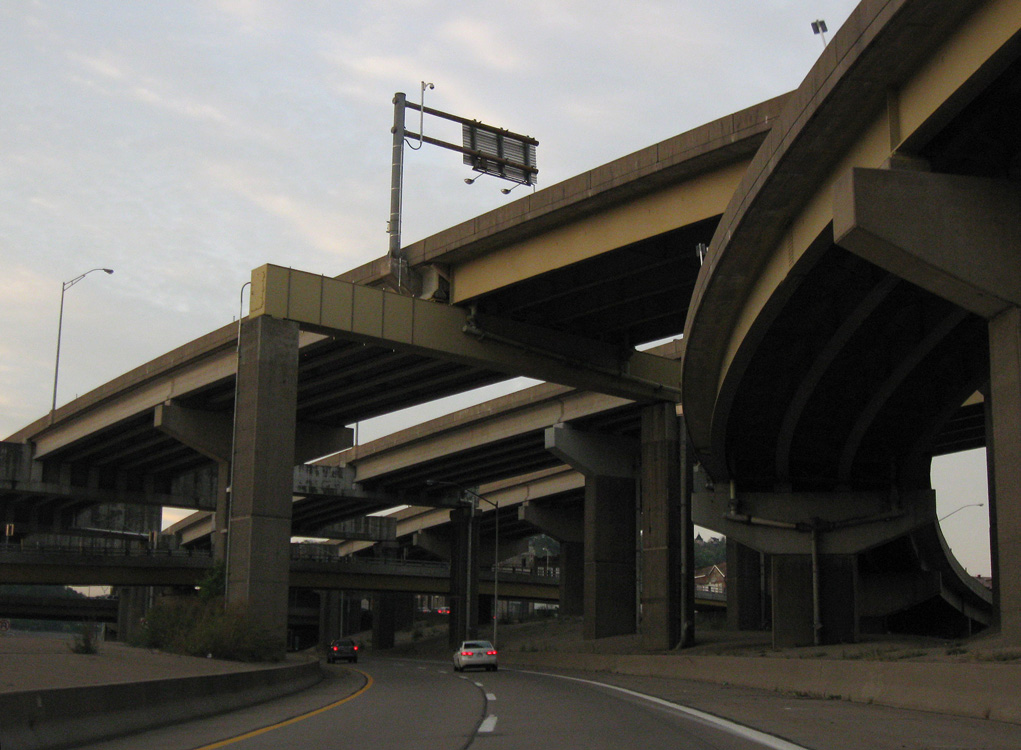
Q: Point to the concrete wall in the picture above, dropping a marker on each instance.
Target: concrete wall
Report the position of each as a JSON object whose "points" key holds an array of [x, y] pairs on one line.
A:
{"points": [[982, 691], [71, 717]]}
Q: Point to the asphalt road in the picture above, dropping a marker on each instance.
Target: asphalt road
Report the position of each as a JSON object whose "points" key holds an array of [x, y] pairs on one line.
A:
{"points": [[396, 704]]}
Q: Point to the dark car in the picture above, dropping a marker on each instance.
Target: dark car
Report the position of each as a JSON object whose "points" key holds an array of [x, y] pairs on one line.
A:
{"points": [[342, 648]]}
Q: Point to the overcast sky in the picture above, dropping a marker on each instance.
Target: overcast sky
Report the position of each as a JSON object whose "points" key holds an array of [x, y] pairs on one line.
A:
{"points": [[185, 143]]}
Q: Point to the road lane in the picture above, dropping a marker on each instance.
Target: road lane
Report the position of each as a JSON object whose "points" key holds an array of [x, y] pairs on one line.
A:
{"points": [[515, 709], [534, 710], [408, 706], [404, 704]]}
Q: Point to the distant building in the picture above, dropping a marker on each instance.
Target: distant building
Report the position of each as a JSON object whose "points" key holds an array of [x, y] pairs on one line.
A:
{"points": [[712, 578]]}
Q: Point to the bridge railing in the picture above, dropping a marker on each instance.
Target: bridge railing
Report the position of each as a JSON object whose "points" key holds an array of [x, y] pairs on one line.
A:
{"points": [[326, 554], [710, 594], [77, 548]]}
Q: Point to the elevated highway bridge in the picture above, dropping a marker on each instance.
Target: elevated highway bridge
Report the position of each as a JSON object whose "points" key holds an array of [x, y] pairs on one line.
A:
{"points": [[859, 289], [309, 569]]}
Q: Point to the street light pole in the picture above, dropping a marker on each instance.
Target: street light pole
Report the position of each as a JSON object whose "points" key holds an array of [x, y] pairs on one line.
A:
{"points": [[60, 324]]}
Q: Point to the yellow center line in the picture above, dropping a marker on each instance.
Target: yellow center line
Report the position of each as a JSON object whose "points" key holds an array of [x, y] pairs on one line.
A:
{"points": [[292, 720]]}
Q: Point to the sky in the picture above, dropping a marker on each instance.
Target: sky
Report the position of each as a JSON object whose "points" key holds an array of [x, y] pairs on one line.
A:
{"points": [[183, 144]]}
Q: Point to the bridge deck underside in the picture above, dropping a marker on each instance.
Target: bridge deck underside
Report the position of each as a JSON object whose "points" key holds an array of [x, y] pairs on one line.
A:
{"points": [[847, 407]]}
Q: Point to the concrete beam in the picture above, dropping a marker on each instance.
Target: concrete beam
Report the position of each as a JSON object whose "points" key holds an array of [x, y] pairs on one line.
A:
{"points": [[368, 528], [210, 433], [54, 490], [193, 527], [781, 523], [957, 237], [593, 453], [563, 524], [312, 441], [334, 307], [518, 413], [435, 541], [207, 432], [505, 493]]}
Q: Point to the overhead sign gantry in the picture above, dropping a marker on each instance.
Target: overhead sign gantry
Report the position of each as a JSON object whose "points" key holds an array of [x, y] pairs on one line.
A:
{"points": [[485, 148]]}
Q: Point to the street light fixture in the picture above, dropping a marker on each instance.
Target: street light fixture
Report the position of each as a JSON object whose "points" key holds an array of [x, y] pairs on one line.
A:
{"points": [[819, 29], [60, 324], [496, 544]]}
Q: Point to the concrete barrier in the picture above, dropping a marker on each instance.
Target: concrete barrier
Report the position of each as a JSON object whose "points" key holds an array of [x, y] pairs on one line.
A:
{"points": [[984, 691], [69, 717]]}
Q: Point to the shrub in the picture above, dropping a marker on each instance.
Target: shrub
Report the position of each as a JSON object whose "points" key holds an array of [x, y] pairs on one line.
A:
{"points": [[197, 627], [215, 582], [87, 640]]}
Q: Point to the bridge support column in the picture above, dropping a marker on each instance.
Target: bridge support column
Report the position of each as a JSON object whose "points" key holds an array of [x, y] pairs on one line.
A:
{"points": [[486, 615], [609, 465], [610, 567], [132, 604], [925, 228], [572, 578], [814, 600], [330, 616], [668, 594], [1005, 387], [464, 576], [260, 523], [384, 619], [567, 526], [748, 599]]}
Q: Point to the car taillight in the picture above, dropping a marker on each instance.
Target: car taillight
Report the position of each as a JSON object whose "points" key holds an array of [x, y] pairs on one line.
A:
{"points": [[355, 648], [490, 653], [336, 649], [467, 653]]}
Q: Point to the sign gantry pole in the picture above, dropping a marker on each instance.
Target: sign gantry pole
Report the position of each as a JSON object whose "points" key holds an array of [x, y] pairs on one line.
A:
{"points": [[486, 149]]}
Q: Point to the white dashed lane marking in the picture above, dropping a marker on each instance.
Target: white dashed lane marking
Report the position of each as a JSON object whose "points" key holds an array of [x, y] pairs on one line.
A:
{"points": [[488, 724]]}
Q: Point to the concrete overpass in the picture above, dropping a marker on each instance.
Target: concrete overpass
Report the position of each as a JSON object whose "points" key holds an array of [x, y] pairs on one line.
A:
{"points": [[161, 435], [809, 292], [859, 289]]}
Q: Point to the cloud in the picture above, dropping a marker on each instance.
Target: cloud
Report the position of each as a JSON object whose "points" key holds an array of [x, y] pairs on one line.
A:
{"points": [[21, 288], [481, 42], [104, 67], [320, 227]]}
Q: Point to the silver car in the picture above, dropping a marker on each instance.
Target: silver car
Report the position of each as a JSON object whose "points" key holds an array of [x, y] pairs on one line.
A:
{"points": [[475, 654]]}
